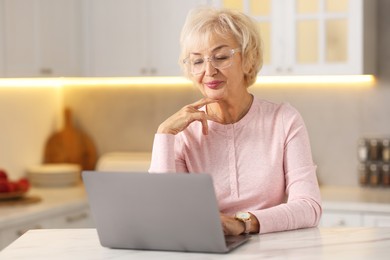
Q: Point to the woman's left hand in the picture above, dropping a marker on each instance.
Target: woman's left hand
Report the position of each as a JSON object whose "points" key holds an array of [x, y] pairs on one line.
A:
{"points": [[232, 226]]}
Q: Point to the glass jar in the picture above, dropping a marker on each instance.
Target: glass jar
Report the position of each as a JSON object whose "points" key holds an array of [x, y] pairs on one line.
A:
{"points": [[375, 177], [363, 174], [386, 174], [386, 150], [362, 150], [374, 150]]}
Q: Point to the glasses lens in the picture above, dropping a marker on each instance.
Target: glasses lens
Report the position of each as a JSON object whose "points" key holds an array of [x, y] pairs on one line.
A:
{"points": [[220, 60]]}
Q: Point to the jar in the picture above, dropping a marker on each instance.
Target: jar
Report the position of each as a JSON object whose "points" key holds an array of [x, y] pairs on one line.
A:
{"points": [[386, 150], [362, 150], [363, 174], [375, 177], [374, 150], [386, 174]]}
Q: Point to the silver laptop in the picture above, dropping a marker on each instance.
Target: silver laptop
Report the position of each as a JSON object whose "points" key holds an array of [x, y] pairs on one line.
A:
{"points": [[174, 212]]}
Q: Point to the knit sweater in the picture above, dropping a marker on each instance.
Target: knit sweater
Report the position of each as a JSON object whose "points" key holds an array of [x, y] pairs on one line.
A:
{"points": [[261, 164]]}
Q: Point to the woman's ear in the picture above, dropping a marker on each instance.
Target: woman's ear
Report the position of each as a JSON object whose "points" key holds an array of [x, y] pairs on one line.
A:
{"points": [[246, 67]]}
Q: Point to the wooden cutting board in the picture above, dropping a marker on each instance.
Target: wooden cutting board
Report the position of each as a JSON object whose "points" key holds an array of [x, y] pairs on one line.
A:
{"points": [[70, 145]]}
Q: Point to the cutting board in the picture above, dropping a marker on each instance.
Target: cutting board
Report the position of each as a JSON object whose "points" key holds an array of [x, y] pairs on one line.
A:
{"points": [[70, 145]]}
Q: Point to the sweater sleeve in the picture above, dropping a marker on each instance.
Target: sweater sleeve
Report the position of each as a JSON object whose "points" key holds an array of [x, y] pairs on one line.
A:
{"points": [[303, 206], [164, 155]]}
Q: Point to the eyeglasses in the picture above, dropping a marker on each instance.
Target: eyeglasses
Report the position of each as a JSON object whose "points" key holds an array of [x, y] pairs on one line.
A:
{"points": [[220, 60]]}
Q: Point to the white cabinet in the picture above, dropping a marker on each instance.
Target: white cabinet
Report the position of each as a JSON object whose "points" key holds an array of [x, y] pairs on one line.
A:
{"points": [[134, 38], [314, 36], [74, 218], [376, 220], [40, 38], [341, 219]]}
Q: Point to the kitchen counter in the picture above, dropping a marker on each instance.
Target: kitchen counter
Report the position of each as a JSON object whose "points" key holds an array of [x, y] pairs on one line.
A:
{"points": [[313, 243], [365, 199]]}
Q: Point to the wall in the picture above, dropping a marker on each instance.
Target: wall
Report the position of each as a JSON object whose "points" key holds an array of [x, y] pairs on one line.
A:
{"points": [[27, 117]]}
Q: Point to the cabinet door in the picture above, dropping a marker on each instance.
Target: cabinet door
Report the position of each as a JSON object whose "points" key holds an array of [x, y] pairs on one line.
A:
{"points": [[376, 220], [74, 219], [116, 42], [341, 219], [2, 38], [41, 38], [165, 19], [134, 38], [306, 37], [325, 37], [8, 235]]}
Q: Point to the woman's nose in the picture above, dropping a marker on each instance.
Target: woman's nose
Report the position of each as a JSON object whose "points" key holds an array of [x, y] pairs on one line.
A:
{"points": [[209, 68]]}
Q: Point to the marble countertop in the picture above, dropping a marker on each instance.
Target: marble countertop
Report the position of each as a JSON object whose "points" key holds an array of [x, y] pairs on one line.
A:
{"points": [[313, 243], [54, 201]]}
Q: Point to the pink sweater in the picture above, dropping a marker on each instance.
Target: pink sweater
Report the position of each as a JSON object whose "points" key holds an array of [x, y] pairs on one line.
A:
{"points": [[261, 164]]}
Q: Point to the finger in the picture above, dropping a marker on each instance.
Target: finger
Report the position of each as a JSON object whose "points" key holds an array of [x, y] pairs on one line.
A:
{"points": [[204, 101]]}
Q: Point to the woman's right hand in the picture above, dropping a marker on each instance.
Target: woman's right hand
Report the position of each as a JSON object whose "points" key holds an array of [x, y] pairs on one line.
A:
{"points": [[185, 116]]}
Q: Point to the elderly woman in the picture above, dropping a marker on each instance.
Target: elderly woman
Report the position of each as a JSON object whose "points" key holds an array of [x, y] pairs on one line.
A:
{"points": [[257, 152]]}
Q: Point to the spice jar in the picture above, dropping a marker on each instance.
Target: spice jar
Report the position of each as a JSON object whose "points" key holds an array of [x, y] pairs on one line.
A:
{"points": [[386, 150], [374, 150], [374, 174], [386, 174], [362, 150], [363, 174]]}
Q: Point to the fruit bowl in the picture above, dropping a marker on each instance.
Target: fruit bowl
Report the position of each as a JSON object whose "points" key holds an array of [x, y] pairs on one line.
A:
{"points": [[12, 195]]}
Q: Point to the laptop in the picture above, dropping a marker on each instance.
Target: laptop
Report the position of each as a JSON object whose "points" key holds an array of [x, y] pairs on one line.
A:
{"points": [[169, 212]]}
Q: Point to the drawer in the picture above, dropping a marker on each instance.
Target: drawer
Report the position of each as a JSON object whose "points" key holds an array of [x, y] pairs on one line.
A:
{"points": [[341, 219], [376, 220]]}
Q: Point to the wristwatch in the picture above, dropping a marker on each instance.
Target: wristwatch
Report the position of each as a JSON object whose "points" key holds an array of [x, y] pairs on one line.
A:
{"points": [[244, 217]]}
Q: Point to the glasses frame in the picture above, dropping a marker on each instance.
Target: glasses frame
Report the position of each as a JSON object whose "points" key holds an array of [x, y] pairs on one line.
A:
{"points": [[211, 59]]}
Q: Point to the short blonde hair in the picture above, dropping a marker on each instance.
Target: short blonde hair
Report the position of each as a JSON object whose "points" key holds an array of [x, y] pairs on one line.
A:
{"points": [[207, 21]]}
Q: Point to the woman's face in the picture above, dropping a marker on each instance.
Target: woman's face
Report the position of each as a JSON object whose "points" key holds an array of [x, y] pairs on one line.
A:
{"points": [[218, 83]]}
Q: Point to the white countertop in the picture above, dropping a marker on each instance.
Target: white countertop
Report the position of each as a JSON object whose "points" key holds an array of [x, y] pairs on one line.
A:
{"points": [[359, 199], [313, 243]]}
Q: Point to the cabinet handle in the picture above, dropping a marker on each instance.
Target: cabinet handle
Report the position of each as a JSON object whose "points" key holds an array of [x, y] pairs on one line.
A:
{"points": [[46, 71], [22, 231], [144, 71], [74, 218]]}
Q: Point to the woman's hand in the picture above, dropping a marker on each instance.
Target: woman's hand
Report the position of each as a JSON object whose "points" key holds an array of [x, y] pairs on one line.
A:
{"points": [[234, 227], [185, 116]]}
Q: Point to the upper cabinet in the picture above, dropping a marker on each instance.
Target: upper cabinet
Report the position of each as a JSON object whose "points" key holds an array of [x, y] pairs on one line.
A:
{"points": [[40, 38], [134, 38], [44, 38], [309, 37]]}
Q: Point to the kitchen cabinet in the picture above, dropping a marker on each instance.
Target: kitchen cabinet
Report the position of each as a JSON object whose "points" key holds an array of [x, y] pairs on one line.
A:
{"points": [[134, 38], [354, 219], [309, 37], [74, 218], [40, 38], [341, 219]]}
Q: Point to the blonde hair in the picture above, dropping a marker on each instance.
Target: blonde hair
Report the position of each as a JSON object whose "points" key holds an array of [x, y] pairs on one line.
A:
{"points": [[207, 21]]}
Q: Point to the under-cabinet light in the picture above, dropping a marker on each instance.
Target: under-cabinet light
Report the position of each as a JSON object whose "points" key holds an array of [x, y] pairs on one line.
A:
{"points": [[262, 81]]}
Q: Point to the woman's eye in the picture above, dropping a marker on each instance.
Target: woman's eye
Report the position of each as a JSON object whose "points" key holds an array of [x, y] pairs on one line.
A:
{"points": [[198, 61], [221, 57]]}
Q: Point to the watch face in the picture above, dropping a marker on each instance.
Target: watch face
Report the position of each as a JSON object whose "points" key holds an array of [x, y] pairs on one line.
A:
{"points": [[243, 215]]}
